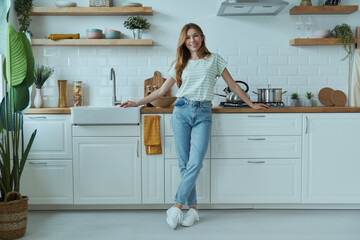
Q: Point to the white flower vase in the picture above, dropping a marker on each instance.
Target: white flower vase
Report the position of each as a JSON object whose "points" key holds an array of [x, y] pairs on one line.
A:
{"points": [[38, 100]]}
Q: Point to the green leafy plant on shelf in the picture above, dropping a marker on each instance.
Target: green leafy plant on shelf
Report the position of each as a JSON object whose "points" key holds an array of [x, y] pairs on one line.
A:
{"points": [[136, 22], [18, 71], [309, 95], [294, 96], [346, 36], [22, 10]]}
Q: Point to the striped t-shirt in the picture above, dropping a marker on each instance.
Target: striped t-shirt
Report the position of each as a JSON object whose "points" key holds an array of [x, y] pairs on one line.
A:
{"points": [[199, 77]]}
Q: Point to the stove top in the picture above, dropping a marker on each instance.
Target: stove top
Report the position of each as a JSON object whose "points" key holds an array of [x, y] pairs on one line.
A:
{"points": [[244, 105]]}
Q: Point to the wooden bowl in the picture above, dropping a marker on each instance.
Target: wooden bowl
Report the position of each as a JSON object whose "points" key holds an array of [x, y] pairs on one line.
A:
{"points": [[163, 101]]}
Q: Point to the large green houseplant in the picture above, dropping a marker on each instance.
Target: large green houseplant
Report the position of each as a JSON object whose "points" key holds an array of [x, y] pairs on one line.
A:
{"points": [[22, 10], [18, 71], [346, 37]]}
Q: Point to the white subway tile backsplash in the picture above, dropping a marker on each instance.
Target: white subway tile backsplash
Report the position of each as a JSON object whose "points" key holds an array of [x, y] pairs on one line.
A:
{"points": [[88, 70], [87, 51], [248, 71], [105, 92], [147, 71], [68, 51], [318, 60], [268, 50], [237, 60], [166, 51], [344, 70], [49, 51], [268, 70], [117, 61], [107, 51], [298, 60], [258, 81], [146, 51], [317, 80], [127, 51], [308, 50], [277, 81], [127, 71], [288, 71], [297, 81], [258, 60], [158, 61], [97, 61], [288, 50], [308, 70], [136, 82], [233, 71], [278, 60], [77, 61], [49, 91], [138, 61], [227, 50], [251, 50], [328, 70]]}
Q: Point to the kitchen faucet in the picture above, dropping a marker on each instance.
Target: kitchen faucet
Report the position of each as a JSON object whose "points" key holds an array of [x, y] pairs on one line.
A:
{"points": [[114, 101]]}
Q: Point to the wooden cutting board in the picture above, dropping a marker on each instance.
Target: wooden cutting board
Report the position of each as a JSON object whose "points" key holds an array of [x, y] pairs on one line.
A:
{"points": [[156, 80], [325, 96]]}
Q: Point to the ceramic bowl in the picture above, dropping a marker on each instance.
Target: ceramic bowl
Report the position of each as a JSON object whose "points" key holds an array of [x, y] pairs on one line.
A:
{"points": [[108, 30], [93, 35], [112, 35], [322, 33], [163, 101], [93, 30], [65, 4]]}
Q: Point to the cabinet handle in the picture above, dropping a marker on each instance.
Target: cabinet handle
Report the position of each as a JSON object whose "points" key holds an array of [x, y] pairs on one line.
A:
{"points": [[137, 149], [256, 161], [256, 116], [37, 117], [256, 139], [38, 163], [307, 124]]}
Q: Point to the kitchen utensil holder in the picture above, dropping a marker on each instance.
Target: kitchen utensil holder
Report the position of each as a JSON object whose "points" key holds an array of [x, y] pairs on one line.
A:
{"points": [[100, 3]]}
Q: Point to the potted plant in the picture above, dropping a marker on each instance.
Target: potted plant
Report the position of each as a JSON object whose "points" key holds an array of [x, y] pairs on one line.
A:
{"points": [[19, 75], [308, 100], [137, 24], [22, 10], [346, 36], [305, 3], [294, 101], [41, 74]]}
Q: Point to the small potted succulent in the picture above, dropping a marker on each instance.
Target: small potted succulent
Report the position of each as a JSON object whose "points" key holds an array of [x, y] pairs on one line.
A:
{"points": [[137, 24], [41, 74], [294, 101], [309, 97], [305, 3]]}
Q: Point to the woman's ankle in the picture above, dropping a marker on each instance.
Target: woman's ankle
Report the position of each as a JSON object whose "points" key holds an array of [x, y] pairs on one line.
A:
{"points": [[193, 207], [178, 205]]}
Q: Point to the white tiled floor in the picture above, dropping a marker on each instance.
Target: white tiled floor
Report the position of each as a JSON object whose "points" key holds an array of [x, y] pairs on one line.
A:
{"points": [[214, 224]]}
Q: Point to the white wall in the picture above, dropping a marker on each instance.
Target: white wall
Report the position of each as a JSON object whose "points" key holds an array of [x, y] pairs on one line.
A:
{"points": [[256, 48]]}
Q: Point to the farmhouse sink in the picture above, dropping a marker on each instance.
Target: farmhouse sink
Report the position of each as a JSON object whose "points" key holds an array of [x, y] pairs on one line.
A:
{"points": [[89, 115]]}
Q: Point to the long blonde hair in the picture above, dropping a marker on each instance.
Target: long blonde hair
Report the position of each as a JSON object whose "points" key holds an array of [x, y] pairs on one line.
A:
{"points": [[183, 54]]}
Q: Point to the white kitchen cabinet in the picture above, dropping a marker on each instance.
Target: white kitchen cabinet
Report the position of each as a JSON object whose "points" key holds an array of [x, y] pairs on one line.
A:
{"points": [[254, 124], [53, 137], [48, 181], [256, 147], [153, 170], [331, 162], [255, 181], [173, 178], [107, 170]]}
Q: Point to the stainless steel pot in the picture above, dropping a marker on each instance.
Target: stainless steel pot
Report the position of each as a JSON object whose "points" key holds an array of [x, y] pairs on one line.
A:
{"points": [[266, 95]]}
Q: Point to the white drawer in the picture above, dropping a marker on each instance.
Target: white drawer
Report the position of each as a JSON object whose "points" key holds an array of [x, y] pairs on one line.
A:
{"points": [[170, 151], [256, 147], [255, 181], [257, 124], [173, 178], [53, 136]]}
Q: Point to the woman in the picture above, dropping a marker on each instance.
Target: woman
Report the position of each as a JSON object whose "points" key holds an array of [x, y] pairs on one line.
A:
{"points": [[194, 71]]}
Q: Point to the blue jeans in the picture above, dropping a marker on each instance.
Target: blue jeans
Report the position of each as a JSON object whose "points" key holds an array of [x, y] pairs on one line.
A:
{"points": [[191, 123]]}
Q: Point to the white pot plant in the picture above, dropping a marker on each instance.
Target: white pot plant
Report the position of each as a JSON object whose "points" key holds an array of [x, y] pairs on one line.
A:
{"points": [[309, 99], [41, 74], [137, 24], [294, 101]]}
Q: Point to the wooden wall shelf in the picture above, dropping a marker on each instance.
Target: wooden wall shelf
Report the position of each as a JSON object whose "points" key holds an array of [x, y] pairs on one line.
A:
{"points": [[92, 42], [313, 10], [90, 11], [316, 41]]}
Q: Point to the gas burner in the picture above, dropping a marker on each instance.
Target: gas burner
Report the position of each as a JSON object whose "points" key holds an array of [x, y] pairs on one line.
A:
{"points": [[244, 105]]}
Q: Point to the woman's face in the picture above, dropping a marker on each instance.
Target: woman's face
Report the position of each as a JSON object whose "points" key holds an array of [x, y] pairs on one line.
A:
{"points": [[193, 40]]}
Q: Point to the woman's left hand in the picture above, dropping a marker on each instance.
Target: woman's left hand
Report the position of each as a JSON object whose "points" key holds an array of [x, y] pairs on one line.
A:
{"points": [[260, 106]]}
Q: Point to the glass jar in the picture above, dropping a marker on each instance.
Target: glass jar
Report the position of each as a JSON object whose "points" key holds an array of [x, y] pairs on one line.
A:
{"points": [[77, 94]]}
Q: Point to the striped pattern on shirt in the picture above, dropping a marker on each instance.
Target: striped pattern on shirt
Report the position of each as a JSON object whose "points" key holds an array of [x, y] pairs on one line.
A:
{"points": [[199, 77]]}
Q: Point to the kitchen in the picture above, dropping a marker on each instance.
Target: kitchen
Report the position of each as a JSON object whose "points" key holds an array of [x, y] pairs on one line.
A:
{"points": [[258, 52]]}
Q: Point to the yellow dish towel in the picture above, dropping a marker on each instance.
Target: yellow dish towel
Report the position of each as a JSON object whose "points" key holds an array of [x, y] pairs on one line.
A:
{"points": [[64, 36], [152, 139]]}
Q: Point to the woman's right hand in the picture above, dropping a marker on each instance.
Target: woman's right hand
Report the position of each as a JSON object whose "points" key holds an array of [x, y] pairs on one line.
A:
{"points": [[129, 104]]}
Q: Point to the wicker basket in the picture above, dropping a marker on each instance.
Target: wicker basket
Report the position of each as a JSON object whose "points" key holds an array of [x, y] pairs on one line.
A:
{"points": [[13, 217], [100, 3]]}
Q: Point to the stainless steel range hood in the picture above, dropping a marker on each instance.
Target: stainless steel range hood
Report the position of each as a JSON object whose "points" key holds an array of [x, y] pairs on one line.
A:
{"points": [[251, 7]]}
